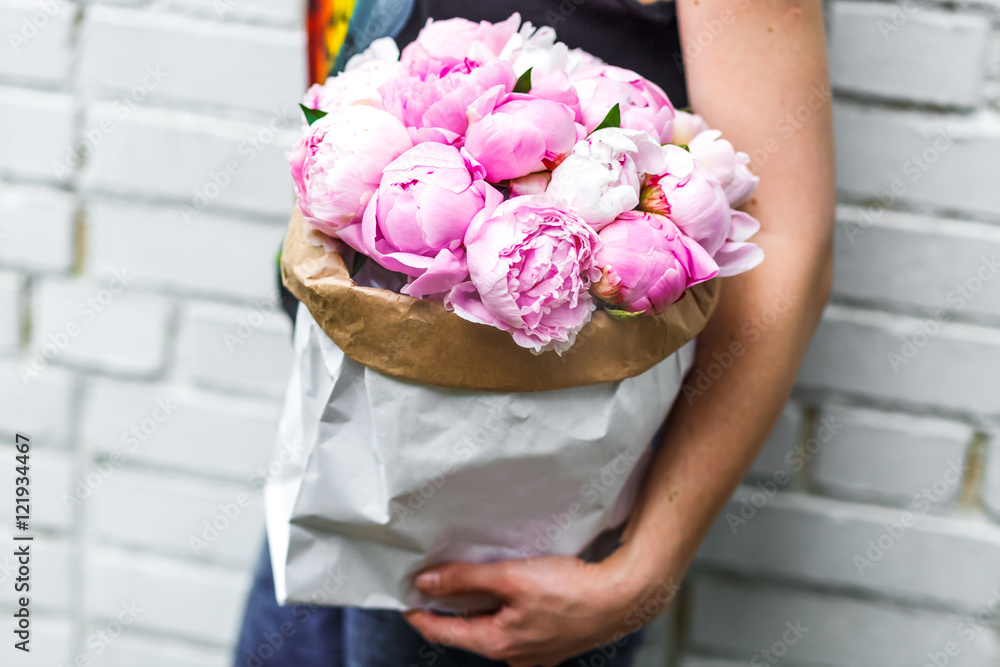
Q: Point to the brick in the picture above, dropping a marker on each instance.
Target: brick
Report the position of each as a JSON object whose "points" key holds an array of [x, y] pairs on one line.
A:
{"points": [[119, 333], [851, 353], [252, 67], [840, 631], [694, 661], [889, 457], [11, 286], [53, 572], [187, 517], [780, 444], [51, 641], [193, 601], [214, 352], [657, 640], [40, 408], [991, 478], [826, 542], [44, 123], [207, 164], [910, 156], [38, 37], [885, 257], [204, 432], [136, 649], [247, 11], [36, 228], [52, 478], [908, 53], [153, 238]]}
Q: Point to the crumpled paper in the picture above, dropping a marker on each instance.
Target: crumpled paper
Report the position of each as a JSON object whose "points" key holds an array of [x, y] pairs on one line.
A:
{"points": [[392, 476], [417, 339]]}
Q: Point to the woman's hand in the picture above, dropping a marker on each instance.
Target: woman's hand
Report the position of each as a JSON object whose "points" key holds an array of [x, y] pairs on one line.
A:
{"points": [[554, 607]]}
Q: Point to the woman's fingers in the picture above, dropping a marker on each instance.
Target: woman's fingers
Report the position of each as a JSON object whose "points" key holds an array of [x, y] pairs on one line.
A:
{"points": [[479, 635], [467, 579]]}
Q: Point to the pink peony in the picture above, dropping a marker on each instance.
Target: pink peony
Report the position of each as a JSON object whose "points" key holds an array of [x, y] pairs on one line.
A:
{"points": [[338, 162], [531, 267], [417, 219], [729, 167], [532, 184], [644, 106], [457, 39], [647, 264], [549, 62], [434, 105], [694, 200], [686, 127], [521, 136], [737, 254]]}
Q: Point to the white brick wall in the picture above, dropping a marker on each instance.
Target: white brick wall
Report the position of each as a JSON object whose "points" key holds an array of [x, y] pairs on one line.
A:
{"points": [[150, 138], [743, 620], [886, 258], [10, 310], [199, 61], [187, 159], [918, 157], [36, 228], [146, 141], [164, 592], [898, 358], [881, 51], [87, 323], [45, 132], [180, 428], [156, 652], [904, 455], [54, 479], [237, 348], [875, 522], [42, 406], [37, 40]]}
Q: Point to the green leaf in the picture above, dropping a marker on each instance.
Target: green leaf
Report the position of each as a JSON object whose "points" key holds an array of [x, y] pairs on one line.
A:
{"points": [[312, 115], [685, 147], [278, 258], [622, 315], [613, 119], [523, 84]]}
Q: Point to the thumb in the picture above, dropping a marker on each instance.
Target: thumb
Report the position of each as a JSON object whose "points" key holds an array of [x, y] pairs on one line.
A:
{"points": [[466, 579]]}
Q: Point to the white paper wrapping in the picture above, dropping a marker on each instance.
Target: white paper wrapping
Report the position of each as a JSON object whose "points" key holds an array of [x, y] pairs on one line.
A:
{"points": [[393, 476]]}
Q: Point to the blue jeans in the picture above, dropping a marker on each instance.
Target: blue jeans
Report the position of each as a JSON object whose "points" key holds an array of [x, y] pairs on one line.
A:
{"points": [[311, 636]]}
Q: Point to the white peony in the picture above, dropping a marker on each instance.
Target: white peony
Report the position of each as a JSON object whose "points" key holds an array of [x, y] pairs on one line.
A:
{"points": [[601, 178]]}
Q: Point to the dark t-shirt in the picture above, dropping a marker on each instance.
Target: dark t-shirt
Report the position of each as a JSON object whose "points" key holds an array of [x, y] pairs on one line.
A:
{"points": [[625, 33]]}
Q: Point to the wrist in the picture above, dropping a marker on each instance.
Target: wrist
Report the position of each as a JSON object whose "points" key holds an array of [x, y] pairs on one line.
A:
{"points": [[646, 579]]}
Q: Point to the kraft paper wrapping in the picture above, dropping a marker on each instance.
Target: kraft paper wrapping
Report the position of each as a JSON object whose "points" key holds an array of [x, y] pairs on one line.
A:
{"points": [[419, 340]]}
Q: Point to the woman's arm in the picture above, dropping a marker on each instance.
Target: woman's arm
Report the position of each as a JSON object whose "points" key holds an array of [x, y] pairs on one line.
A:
{"points": [[757, 71], [763, 82]]}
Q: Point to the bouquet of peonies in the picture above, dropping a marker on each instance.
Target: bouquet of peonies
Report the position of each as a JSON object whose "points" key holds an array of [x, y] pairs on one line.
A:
{"points": [[520, 182], [488, 176]]}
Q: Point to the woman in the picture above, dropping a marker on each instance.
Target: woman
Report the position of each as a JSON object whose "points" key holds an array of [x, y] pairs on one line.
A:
{"points": [[757, 72]]}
